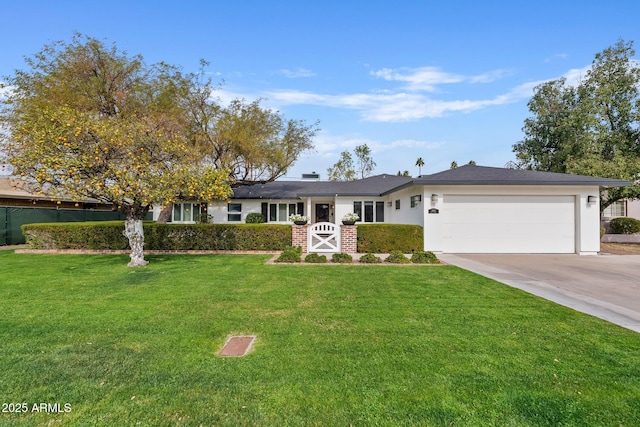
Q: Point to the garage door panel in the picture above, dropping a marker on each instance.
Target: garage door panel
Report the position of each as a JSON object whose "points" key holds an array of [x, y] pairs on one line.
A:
{"points": [[511, 224]]}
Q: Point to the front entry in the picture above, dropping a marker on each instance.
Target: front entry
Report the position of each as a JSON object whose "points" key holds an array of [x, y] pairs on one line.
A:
{"points": [[322, 212]]}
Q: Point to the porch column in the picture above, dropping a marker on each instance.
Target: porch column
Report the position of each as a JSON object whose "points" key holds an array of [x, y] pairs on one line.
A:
{"points": [[299, 236], [349, 239]]}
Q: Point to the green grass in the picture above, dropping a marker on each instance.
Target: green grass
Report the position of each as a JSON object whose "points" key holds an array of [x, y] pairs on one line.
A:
{"points": [[337, 345]]}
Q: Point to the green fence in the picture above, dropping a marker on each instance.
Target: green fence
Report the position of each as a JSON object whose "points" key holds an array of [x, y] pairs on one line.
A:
{"points": [[11, 219]]}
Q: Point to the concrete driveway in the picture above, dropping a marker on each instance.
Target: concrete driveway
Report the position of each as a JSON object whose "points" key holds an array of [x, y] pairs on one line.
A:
{"points": [[605, 286]]}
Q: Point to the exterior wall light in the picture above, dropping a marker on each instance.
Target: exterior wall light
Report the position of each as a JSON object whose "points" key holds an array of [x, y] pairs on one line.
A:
{"points": [[592, 199], [434, 198]]}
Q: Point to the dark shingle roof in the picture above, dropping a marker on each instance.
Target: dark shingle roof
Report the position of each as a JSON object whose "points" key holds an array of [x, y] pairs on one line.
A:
{"points": [[380, 185], [371, 186], [483, 175]]}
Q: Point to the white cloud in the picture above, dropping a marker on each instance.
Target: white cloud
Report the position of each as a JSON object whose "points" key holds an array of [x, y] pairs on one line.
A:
{"points": [[387, 107], [426, 79], [556, 56], [419, 79], [328, 145], [489, 77], [412, 143], [575, 75], [415, 100], [298, 73]]}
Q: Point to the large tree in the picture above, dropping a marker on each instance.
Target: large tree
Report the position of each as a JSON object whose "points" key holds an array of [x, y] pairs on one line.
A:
{"points": [[86, 120], [254, 143], [592, 128]]}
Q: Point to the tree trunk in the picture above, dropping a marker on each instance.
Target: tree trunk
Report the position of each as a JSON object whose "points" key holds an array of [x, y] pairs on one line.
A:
{"points": [[135, 233], [165, 214]]}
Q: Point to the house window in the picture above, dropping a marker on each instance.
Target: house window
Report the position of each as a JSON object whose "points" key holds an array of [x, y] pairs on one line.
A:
{"points": [[186, 212], [379, 211], [398, 204], [280, 212], [369, 211], [357, 209], [234, 212], [615, 209], [415, 200]]}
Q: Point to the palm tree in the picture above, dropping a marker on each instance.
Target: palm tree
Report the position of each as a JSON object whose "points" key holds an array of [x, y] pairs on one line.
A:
{"points": [[419, 164]]}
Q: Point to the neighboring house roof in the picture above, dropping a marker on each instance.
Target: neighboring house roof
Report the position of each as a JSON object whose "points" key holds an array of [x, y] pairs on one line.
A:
{"points": [[381, 185], [11, 188], [15, 188]]}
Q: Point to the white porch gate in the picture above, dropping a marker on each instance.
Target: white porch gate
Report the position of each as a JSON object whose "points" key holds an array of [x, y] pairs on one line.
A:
{"points": [[324, 237]]}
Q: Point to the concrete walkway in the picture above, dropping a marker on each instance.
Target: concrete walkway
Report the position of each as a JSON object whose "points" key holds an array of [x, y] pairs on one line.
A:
{"points": [[605, 286]]}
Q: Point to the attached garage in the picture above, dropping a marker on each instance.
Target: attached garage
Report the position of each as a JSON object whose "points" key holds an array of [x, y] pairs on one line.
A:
{"points": [[476, 209], [508, 224]]}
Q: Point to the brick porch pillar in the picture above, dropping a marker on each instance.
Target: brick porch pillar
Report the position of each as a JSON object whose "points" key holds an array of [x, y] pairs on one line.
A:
{"points": [[299, 236], [349, 239]]}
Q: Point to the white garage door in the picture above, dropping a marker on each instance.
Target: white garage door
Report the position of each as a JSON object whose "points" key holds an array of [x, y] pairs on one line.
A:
{"points": [[508, 224]]}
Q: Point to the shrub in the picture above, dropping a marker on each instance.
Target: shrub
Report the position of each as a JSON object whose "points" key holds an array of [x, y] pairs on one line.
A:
{"points": [[205, 218], [108, 235], [315, 258], [421, 257], [255, 218], [370, 259], [76, 235], [341, 258], [624, 225], [291, 254], [383, 238], [397, 257]]}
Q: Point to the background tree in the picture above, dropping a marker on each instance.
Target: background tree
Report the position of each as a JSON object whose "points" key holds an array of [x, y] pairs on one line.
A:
{"points": [[365, 163], [419, 164], [343, 169], [254, 143], [346, 170], [592, 128], [87, 121], [405, 173], [454, 165]]}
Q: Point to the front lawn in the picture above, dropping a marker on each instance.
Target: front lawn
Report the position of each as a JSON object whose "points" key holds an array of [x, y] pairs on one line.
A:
{"points": [[337, 345]]}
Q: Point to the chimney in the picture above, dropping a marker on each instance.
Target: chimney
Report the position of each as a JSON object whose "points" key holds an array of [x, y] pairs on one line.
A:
{"points": [[311, 176]]}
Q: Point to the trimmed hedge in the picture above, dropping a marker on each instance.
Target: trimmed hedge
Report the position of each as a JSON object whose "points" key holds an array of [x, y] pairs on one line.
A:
{"points": [[384, 238], [76, 235], [108, 235], [624, 225]]}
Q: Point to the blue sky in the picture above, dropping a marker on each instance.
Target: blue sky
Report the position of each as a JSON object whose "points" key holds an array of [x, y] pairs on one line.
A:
{"points": [[443, 81]]}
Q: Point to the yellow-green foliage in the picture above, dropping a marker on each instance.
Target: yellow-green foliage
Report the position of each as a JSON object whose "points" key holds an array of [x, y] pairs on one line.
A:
{"points": [[87, 121]]}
